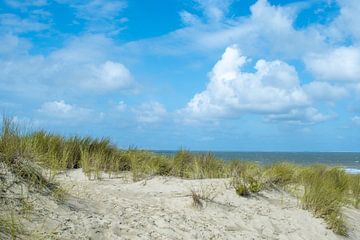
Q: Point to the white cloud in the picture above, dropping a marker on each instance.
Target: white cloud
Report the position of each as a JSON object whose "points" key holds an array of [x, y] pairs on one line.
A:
{"points": [[11, 23], [214, 10], [267, 31], [101, 15], [273, 88], [340, 64], [105, 77], [98, 8], [150, 112], [12, 45], [347, 24], [188, 18], [308, 115], [85, 64], [61, 109], [27, 3], [325, 91]]}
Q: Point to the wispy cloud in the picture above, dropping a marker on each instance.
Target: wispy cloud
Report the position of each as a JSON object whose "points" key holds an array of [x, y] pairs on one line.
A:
{"points": [[62, 110], [102, 16], [24, 4], [150, 112], [10, 23]]}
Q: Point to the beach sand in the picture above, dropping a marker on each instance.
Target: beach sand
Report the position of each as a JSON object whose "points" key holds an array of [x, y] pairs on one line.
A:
{"points": [[162, 208]]}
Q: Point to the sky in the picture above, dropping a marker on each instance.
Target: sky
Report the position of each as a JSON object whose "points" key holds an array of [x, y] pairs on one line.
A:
{"points": [[214, 75]]}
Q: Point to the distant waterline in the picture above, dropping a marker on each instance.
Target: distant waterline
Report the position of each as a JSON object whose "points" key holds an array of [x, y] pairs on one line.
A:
{"points": [[350, 161]]}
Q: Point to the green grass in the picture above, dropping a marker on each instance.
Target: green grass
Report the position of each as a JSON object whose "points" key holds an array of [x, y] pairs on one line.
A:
{"points": [[354, 185], [28, 154], [325, 192], [10, 227]]}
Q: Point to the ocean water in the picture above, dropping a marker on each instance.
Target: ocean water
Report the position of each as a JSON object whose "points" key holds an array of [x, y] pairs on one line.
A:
{"points": [[350, 161]]}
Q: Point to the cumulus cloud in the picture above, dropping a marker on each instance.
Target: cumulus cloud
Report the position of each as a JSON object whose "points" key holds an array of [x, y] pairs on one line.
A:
{"points": [[62, 110], [150, 112], [340, 64], [273, 89], [347, 24]]}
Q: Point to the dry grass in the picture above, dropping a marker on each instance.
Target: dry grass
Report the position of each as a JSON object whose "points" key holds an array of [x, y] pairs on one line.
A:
{"points": [[203, 194]]}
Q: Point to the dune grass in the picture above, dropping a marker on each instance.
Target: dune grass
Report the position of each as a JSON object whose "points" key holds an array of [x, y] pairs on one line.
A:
{"points": [[325, 190], [10, 228]]}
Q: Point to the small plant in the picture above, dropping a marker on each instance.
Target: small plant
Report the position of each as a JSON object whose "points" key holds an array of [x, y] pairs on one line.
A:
{"points": [[202, 194], [196, 199], [241, 189], [248, 179], [255, 186]]}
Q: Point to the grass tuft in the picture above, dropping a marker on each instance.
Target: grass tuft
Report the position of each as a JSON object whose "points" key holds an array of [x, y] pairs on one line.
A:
{"points": [[325, 194]]}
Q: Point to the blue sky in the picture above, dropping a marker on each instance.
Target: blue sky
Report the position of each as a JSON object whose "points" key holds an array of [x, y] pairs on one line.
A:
{"points": [[241, 75]]}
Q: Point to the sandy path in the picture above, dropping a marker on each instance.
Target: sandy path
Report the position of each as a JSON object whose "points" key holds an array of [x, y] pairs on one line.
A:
{"points": [[161, 208]]}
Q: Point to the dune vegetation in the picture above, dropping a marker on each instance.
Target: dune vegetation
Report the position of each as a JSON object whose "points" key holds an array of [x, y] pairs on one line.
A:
{"points": [[34, 158]]}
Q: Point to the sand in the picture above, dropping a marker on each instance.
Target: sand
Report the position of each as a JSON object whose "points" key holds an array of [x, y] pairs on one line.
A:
{"points": [[162, 208]]}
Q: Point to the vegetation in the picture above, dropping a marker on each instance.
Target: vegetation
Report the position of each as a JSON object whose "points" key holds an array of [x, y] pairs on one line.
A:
{"points": [[322, 190], [325, 193]]}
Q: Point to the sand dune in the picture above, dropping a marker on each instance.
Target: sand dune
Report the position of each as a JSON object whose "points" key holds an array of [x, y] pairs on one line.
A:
{"points": [[162, 208]]}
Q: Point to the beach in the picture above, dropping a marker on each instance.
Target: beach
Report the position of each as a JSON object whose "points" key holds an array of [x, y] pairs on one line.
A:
{"points": [[163, 208]]}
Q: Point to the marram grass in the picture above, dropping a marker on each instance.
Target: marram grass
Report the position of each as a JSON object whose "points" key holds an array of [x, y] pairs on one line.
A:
{"points": [[324, 190]]}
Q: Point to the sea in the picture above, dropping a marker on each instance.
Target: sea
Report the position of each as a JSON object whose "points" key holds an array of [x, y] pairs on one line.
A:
{"points": [[349, 161]]}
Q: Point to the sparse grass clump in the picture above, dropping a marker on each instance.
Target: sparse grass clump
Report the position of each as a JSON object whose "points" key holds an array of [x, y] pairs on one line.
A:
{"points": [[196, 198], [203, 194], [241, 189]]}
